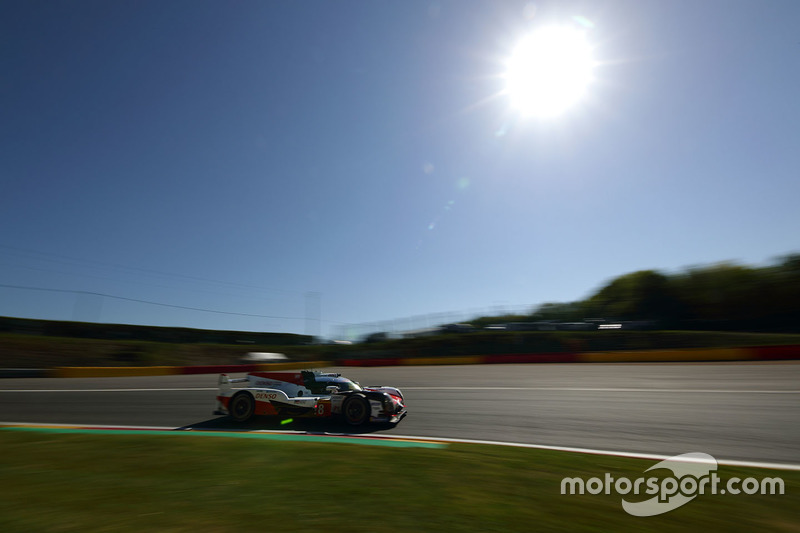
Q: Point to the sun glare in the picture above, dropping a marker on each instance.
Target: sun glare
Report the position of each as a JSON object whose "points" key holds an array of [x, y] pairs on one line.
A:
{"points": [[548, 71]]}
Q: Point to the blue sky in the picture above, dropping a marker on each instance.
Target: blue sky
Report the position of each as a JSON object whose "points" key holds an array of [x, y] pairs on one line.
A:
{"points": [[237, 156]]}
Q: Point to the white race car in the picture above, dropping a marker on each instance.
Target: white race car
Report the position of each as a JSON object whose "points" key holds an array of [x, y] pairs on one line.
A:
{"points": [[308, 394]]}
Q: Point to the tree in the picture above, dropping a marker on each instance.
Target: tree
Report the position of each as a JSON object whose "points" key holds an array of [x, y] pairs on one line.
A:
{"points": [[724, 292], [642, 295], [561, 312]]}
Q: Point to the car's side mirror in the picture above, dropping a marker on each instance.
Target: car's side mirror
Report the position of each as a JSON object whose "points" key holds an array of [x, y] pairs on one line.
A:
{"points": [[333, 389]]}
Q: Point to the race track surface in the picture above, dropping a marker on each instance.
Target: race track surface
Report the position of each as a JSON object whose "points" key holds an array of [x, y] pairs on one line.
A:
{"points": [[731, 411]]}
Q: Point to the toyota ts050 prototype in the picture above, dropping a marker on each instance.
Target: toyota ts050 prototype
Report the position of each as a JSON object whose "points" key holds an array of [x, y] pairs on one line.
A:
{"points": [[308, 394]]}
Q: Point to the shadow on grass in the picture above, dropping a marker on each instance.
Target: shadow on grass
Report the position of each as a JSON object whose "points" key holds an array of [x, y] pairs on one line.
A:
{"points": [[309, 425]]}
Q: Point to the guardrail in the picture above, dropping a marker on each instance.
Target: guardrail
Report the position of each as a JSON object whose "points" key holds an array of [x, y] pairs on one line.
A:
{"points": [[753, 353]]}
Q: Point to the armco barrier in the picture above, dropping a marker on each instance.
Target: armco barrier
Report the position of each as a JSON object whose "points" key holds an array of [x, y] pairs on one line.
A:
{"points": [[261, 367], [113, 371], [216, 369], [655, 356], [24, 373], [519, 358], [136, 371], [292, 366], [776, 353], [757, 353], [414, 361], [369, 362]]}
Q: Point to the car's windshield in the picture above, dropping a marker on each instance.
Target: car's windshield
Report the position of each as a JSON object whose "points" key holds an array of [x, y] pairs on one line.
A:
{"points": [[346, 385]]}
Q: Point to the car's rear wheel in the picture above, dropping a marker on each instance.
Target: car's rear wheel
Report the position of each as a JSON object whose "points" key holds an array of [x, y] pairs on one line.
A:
{"points": [[356, 409], [242, 406]]}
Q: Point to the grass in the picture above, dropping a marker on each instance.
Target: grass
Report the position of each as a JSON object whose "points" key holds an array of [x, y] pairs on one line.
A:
{"points": [[84, 482]]}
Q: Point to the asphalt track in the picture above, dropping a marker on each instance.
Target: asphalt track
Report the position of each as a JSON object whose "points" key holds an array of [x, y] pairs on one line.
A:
{"points": [[746, 412]]}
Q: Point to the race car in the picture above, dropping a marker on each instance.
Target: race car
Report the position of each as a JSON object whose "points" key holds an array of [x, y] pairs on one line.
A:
{"points": [[308, 394]]}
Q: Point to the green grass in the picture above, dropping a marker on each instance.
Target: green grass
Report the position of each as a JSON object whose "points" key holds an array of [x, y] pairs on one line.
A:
{"points": [[84, 482]]}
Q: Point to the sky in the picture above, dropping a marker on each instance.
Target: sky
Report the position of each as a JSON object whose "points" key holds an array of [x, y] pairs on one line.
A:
{"points": [[306, 166]]}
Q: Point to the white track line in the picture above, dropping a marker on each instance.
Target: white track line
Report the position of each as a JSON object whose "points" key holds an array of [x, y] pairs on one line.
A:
{"points": [[607, 389], [631, 455], [110, 390], [539, 389]]}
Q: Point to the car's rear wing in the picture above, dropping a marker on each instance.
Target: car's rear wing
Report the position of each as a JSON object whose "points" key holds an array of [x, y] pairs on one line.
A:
{"points": [[223, 378], [224, 383]]}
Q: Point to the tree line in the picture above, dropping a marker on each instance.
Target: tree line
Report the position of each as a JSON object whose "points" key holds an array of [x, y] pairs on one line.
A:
{"points": [[724, 296]]}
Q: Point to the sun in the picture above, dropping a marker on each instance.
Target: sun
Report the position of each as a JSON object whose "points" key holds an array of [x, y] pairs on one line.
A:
{"points": [[548, 71]]}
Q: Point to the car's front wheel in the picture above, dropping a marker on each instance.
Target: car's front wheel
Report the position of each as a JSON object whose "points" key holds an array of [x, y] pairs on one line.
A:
{"points": [[356, 409], [242, 406]]}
